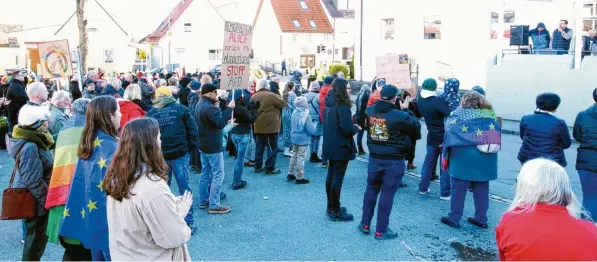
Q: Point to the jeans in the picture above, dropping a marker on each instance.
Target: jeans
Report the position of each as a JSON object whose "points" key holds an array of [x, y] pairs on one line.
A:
{"points": [[360, 139], [429, 167], [179, 168], [480, 196], [240, 142], [100, 255], [75, 252], [297, 162], [588, 181], [271, 142], [212, 177], [384, 176], [36, 238], [250, 153], [333, 183], [315, 144]]}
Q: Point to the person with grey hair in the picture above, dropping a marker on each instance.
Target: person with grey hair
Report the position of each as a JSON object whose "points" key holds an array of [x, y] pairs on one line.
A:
{"points": [[61, 102], [79, 106], [589, 44], [543, 222], [37, 93], [113, 88]]}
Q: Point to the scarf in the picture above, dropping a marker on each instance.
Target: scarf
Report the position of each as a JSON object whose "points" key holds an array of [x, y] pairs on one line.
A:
{"points": [[164, 101], [42, 139], [470, 127]]}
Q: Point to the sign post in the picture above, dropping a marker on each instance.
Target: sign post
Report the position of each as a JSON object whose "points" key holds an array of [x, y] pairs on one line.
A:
{"points": [[395, 69], [236, 60]]}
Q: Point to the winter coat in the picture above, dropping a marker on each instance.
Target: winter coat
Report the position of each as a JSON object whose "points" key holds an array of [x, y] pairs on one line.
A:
{"points": [[90, 94], [109, 90], [296, 79], [374, 97], [183, 95], [18, 98], [268, 113], [177, 128], [434, 110], [146, 92], [313, 102], [390, 130], [211, 122], [338, 131], [559, 42], [323, 93], [541, 39], [244, 117], [35, 169], [361, 104], [547, 233], [75, 91], [585, 133], [543, 135], [301, 131], [129, 110], [57, 119]]}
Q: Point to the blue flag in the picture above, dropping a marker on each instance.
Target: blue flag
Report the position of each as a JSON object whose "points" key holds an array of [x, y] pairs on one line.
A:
{"points": [[85, 216]]}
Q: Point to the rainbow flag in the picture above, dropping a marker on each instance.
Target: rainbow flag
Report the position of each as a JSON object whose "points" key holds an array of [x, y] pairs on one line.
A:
{"points": [[85, 217], [65, 161]]}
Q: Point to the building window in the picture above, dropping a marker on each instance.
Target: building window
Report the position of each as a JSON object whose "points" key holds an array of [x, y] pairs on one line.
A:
{"points": [[303, 5], [312, 24], [432, 27], [495, 19], [589, 17], [387, 29], [108, 56], [215, 54], [326, 37], [187, 27], [294, 37], [296, 23], [336, 51], [509, 16]]}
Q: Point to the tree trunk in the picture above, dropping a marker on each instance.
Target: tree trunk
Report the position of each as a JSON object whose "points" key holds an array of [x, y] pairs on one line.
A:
{"points": [[82, 23]]}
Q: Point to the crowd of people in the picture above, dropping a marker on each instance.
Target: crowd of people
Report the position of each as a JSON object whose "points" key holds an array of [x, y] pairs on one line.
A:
{"points": [[100, 161]]}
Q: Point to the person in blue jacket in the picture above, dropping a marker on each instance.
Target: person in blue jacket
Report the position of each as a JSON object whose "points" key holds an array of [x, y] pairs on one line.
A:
{"points": [[543, 134], [540, 38], [585, 133]]}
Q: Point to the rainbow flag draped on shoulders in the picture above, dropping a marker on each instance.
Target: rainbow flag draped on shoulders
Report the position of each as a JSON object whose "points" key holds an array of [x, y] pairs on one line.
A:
{"points": [[65, 162], [85, 217], [470, 127]]}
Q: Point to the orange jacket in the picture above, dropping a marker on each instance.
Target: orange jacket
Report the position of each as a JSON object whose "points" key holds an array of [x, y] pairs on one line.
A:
{"points": [[374, 98], [322, 95]]}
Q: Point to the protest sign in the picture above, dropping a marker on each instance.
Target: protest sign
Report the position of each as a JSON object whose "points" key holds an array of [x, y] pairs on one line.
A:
{"points": [[395, 69], [236, 60], [55, 59]]}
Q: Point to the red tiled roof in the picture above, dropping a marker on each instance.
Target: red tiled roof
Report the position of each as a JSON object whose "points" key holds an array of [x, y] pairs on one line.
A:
{"points": [[288, 10], [162, 29]]}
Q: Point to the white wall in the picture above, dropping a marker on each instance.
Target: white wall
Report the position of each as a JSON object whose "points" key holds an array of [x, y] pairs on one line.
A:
{"points": [[267, 35], [306, 44]]}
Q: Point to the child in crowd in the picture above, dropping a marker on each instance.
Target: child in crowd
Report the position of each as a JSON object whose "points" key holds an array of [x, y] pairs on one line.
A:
{"points": [[302, 129]]}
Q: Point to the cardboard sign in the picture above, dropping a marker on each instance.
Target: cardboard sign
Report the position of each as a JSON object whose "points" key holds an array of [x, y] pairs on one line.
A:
{"points": [[396, 70], [236, 60], [55, 59]]}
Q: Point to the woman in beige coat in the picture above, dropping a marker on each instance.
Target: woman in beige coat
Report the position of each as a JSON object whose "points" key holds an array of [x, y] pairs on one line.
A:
{"points": [[145, 220]]}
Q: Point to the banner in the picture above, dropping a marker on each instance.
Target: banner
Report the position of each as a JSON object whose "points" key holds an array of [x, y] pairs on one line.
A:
{"points": [[55, 59], [236, 60], [396, 70]]}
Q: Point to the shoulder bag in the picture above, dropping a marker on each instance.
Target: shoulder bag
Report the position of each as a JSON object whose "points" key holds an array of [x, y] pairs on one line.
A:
{"points": [[17, 203]]}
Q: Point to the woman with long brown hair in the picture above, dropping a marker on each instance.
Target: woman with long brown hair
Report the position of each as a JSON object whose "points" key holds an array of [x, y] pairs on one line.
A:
{"points": [[140, 202], [85, 220], [289, 97]]}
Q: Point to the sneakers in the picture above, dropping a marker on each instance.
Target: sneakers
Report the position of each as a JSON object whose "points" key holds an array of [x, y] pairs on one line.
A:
{"points": [[425, 193], [242, 185], [249, 163], [290, 177], [449, 222], [273, 172], [364, 229], [411, 166], [219, 210], [340, 216], [389, 234], [315, 158], [287, 152], [324, 164], [342, 209], [473, 221], [302, 181], [445, 198], [203, 206]]}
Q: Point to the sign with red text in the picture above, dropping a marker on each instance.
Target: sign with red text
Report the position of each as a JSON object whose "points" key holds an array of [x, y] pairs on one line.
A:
{"points": [[396, 70], [236, 60]]}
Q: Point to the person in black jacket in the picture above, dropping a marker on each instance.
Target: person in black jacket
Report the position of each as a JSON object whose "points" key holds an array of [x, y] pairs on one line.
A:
{"points": [[338, 146], [146, 91], [585, 133], [179, 136], [211, 122], [434, 110], [241, 134], [74, 89], [17, 96], [361, 103], [388, 139], [184, 91]]}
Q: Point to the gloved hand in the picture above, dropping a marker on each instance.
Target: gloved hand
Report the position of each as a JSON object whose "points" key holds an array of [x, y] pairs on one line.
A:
{"points": [[184, 203]]}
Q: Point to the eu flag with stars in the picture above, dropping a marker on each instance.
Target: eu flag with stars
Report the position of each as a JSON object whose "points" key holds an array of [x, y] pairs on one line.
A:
{"points": [[85, 216]]}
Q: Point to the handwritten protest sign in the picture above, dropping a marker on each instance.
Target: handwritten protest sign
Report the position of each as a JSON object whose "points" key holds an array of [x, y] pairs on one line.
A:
{"points": [[395, 69], [236, 61], [55, 59]]}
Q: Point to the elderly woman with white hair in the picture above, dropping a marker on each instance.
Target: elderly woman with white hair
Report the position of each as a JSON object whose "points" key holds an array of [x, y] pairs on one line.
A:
{"points": [[131, 107], [113, 88], [29, 145], [60, 104], [543, 221]]}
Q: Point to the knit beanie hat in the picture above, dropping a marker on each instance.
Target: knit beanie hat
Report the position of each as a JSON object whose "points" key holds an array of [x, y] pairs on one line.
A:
{"points": [[388, 92], [33, 116], [314, 87], [184, 82], [208, 88], [195, 85], [429, 84], [328, 80], [301, 102], [481, 91], [163, 91]]}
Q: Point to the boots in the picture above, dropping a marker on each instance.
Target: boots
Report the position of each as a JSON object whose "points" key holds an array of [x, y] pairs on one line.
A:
{"points": [[315, 158]]}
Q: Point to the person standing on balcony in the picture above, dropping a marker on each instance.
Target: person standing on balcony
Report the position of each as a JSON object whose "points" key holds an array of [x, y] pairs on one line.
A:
{"points": [[562, 38], [589, 46], [540, 38]]}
